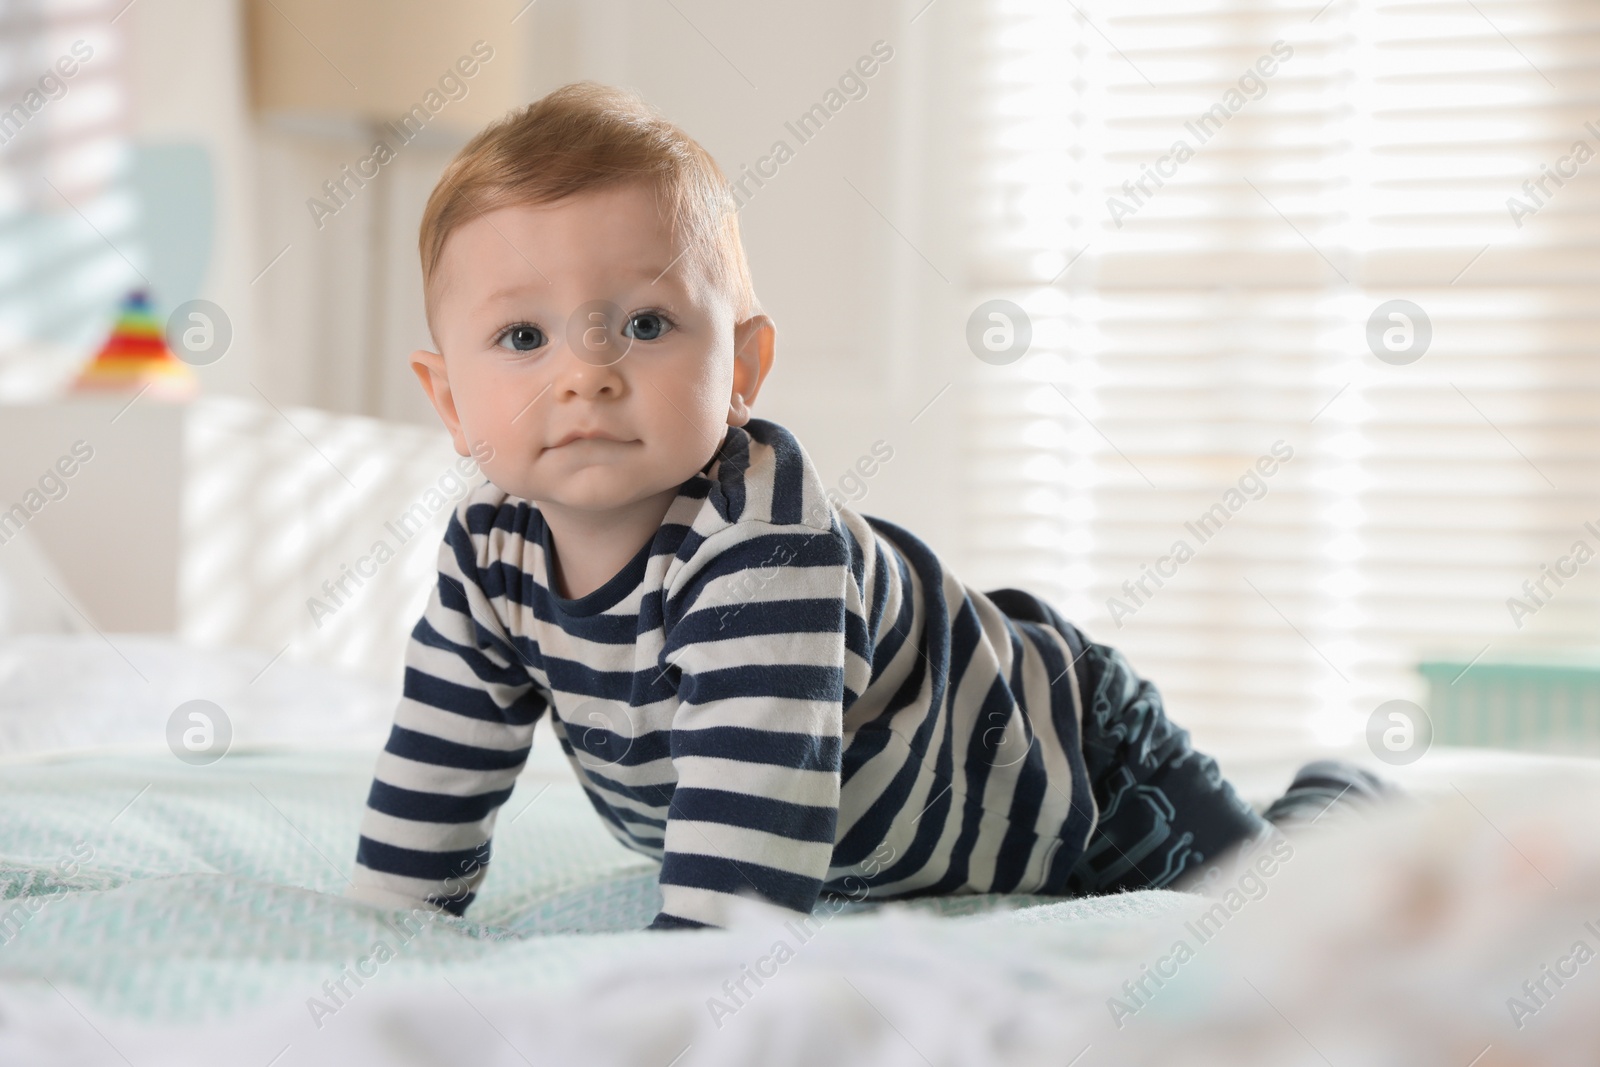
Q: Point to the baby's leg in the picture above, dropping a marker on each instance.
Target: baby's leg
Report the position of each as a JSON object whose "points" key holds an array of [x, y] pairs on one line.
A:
{"points": [[1335, 788], [1165, 809], [1166, 812]]}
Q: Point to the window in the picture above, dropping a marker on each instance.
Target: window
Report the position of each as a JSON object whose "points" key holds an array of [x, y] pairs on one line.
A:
{"points": [[67, 208], [1206, 210]]}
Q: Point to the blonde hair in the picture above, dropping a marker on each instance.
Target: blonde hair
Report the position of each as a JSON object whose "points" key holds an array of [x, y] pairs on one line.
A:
{"points": [[586, 136]]}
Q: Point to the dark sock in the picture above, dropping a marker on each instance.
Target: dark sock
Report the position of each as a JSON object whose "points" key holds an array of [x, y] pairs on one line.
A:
{"points": [[1331, 787]]}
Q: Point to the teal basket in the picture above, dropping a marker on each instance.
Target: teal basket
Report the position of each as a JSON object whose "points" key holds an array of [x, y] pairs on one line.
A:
{"points": [[1540, 707]]}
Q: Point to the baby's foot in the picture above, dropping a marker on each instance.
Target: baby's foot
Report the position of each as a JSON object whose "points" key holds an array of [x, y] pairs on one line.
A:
{"points": [[1329, 787]]}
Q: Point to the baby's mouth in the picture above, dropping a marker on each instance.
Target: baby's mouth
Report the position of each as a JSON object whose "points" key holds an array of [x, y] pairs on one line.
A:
{"points": [[588, 437], [605, 442]]}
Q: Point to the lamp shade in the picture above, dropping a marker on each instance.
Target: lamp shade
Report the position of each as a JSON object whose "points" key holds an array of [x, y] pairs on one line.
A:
{"points": [[453, 66]]}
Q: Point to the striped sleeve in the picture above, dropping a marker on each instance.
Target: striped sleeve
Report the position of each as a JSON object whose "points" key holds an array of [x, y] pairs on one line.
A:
{"points": [[461, 735], [755, 639]]}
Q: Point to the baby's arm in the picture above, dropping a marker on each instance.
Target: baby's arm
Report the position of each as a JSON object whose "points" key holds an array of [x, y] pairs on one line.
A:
{"points": [[461, 735], [757, 638]]}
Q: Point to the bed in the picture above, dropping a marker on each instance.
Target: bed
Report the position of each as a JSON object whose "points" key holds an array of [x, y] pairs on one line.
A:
{"points": [[158, 912]]}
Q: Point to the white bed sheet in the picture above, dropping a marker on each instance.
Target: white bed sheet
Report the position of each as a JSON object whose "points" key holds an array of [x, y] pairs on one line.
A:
{"points": [[1400, 941]]}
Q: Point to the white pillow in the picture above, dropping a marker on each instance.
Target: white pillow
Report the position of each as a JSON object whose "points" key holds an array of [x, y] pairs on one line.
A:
{"points": [[73, 693]]}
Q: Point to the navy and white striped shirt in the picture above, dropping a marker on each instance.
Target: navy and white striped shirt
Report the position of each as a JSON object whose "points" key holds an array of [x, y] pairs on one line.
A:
{"points": [[776, 696]]}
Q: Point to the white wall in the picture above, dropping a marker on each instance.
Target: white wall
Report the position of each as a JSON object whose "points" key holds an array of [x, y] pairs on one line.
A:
{"points": [[186, 63]]}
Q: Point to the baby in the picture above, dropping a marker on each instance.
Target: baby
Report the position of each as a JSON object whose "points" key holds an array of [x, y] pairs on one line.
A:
{"points": [[771, 694]]}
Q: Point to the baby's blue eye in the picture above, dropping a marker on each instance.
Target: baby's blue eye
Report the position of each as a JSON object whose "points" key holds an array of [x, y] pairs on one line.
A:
{"points": [[522, 337], [647, 326]]}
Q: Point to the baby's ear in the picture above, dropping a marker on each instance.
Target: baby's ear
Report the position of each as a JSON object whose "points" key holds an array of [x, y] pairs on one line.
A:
{"points": [[429, 368], [754, 348]]}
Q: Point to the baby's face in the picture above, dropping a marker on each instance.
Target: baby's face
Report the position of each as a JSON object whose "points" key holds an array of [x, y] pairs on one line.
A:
{"points": [[581, 317]]}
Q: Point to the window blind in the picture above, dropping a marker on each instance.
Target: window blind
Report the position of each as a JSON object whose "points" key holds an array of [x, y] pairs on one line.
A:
{"points": [[68, 212], [1206, 208]]}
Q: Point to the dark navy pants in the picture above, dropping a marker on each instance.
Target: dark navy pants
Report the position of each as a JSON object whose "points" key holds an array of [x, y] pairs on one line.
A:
{"points": [[1166, 812]]}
